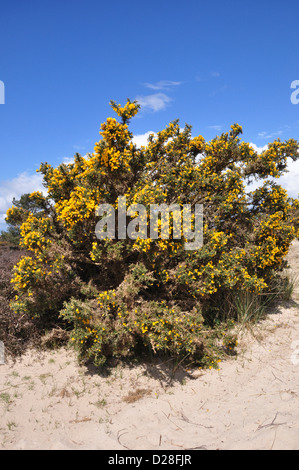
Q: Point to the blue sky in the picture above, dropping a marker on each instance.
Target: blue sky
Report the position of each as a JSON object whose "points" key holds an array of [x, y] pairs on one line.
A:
{"points": [[210, 64]]}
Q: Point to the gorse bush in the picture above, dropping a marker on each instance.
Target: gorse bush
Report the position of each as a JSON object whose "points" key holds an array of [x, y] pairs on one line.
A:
{"points": [[124, 296]]}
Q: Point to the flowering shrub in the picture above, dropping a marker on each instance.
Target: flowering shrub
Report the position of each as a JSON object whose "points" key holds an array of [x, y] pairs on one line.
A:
{"points": [[125, 295]]}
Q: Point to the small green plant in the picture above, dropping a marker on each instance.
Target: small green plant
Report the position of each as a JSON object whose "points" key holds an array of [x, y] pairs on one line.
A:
{"points": [[101, 402], [11, 425], [5, 397]]}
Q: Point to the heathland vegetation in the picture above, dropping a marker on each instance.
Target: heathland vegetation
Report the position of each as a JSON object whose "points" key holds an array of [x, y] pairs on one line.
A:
{"points": [[126, 298]]}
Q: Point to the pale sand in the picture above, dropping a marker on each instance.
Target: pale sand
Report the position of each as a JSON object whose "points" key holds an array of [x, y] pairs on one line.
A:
{"points": [[48, 401]]}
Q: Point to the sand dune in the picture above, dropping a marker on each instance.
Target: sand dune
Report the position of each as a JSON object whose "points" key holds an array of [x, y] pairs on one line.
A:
{"points": [[48, 401]]}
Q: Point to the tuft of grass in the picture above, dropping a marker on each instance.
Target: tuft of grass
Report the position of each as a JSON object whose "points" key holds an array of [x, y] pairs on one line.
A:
{"points": [[100, 403], [5, 397], [287, 286], [11, 425], [249, 308]]}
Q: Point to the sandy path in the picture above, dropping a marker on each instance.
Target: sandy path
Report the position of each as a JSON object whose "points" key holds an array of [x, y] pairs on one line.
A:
{"points": [[47, 401]]}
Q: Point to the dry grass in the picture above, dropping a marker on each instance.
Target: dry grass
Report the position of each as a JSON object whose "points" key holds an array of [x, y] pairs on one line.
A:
{"points": [[136, 395]]}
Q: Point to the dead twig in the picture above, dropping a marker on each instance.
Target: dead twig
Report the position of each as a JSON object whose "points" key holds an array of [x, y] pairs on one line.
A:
{"points": [[261, 426], [172, 421], [277, 378], [83, 420], [184, 418], [119, 436], [273, 439], [12, 386]]}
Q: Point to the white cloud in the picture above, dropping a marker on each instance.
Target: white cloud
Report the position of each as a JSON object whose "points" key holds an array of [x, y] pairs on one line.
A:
{"points": [[215, 127], [259, 149], [79, 147], [215, 74], [162, 85], [142, 139], [21, 184], [218, 90], [289, 180], [265, 135], [68, 160], [155, 102]]}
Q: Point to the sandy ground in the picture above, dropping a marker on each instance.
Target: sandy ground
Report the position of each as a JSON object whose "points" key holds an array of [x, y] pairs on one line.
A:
{"points": [[48, 401]]}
